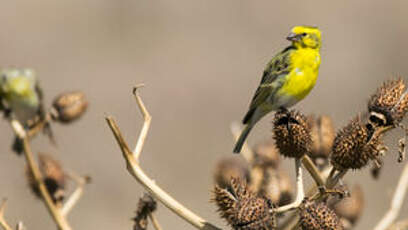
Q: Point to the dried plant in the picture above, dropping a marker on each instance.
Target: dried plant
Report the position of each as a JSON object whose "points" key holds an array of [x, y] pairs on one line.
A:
{"points": [[243, 209], [253, 192], [47, 179], [252, 198], [145, 208]]}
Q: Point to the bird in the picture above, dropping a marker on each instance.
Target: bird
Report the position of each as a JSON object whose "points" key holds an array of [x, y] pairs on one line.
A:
{"points": [[21, 93], [21, 97], [287, 79]]}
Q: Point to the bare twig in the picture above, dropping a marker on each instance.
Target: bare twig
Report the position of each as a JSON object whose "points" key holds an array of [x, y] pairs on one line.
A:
{"points": [[396, 202], [136, 171], [299, 187], [33, 167], [3, 222], [334, 179], [312, 169], [155, 222], [73, 199], [146, 125]]}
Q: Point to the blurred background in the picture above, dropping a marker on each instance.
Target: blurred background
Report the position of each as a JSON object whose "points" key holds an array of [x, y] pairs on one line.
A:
{"points": [[201, 62]]}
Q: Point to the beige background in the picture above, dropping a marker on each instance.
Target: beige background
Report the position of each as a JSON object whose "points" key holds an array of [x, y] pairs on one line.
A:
{"points": [[201, 62]]}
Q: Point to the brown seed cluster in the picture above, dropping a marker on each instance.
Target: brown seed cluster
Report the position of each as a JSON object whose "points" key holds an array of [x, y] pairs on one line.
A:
{"points": [[355, 145], [53, 176], [389, 104], [292, 134], [317, 216], [242, 209], [146, 206], [68, 107]]}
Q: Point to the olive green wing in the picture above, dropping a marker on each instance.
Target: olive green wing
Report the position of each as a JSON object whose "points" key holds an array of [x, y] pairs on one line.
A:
{"points": [[272, 79]]}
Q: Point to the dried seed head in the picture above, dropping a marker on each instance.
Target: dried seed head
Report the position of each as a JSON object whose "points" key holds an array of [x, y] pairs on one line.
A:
{"points": [[145, 206], [53, 176], [322, 133], [68, 107], [228, 168], [317, 216], [351, 207], [276, 186], [391, 101], [354, 146], [266, 155], [292, 134], [242, 209]]}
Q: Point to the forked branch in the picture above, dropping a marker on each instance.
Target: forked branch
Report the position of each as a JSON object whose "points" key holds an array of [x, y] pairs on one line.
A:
{"points": [[73, 199], [136, 171], [299, 187]]}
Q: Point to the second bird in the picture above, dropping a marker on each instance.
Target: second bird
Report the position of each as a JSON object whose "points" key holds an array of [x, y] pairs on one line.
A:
{"points": [[287, 79]]}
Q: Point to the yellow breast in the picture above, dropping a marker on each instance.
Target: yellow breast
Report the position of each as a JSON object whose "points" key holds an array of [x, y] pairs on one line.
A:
{"points": [[303, 75]]}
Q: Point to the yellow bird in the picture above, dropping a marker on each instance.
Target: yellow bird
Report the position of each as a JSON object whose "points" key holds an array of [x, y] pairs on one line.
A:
{"points": [[287, 79]]}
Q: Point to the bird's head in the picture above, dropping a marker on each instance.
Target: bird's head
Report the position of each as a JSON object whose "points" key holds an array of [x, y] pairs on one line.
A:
{"points": [[18, 82], [305, 36]]}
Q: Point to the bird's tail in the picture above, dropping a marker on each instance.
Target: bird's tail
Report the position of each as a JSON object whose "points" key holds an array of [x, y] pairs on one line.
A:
{"points": [[242, 138]]}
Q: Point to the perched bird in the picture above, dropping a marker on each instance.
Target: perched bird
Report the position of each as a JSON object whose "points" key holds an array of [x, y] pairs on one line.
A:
{"points": [[21, 97], [20, 93], [287, 79]]}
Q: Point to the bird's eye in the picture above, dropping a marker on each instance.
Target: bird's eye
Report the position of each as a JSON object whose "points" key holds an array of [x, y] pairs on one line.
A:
{"points": [[304, 34]]}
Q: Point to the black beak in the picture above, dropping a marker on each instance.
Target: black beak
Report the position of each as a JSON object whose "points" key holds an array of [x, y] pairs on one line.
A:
{"points": [[293, 37]]}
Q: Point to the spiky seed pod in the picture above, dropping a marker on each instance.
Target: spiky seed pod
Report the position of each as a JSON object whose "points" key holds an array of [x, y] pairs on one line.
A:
{"points": [[266, 155], [317, 216], [322, 133], [351, 207], [228, 168], [53, 176], [292, 133], [68, 107], [389, 103], [145, 206], [276, 186], [242, 209], [354, 146]]}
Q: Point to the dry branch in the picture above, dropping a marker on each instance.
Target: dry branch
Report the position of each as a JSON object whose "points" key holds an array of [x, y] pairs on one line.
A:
{"points": [[56, 214], [3, 222], [299, 187], [73, 199], [136, 171], [396, 202]]}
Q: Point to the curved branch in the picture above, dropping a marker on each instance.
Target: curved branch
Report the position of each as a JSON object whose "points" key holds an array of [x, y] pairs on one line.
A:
{"points": [[3, 222], [136, 171]]}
